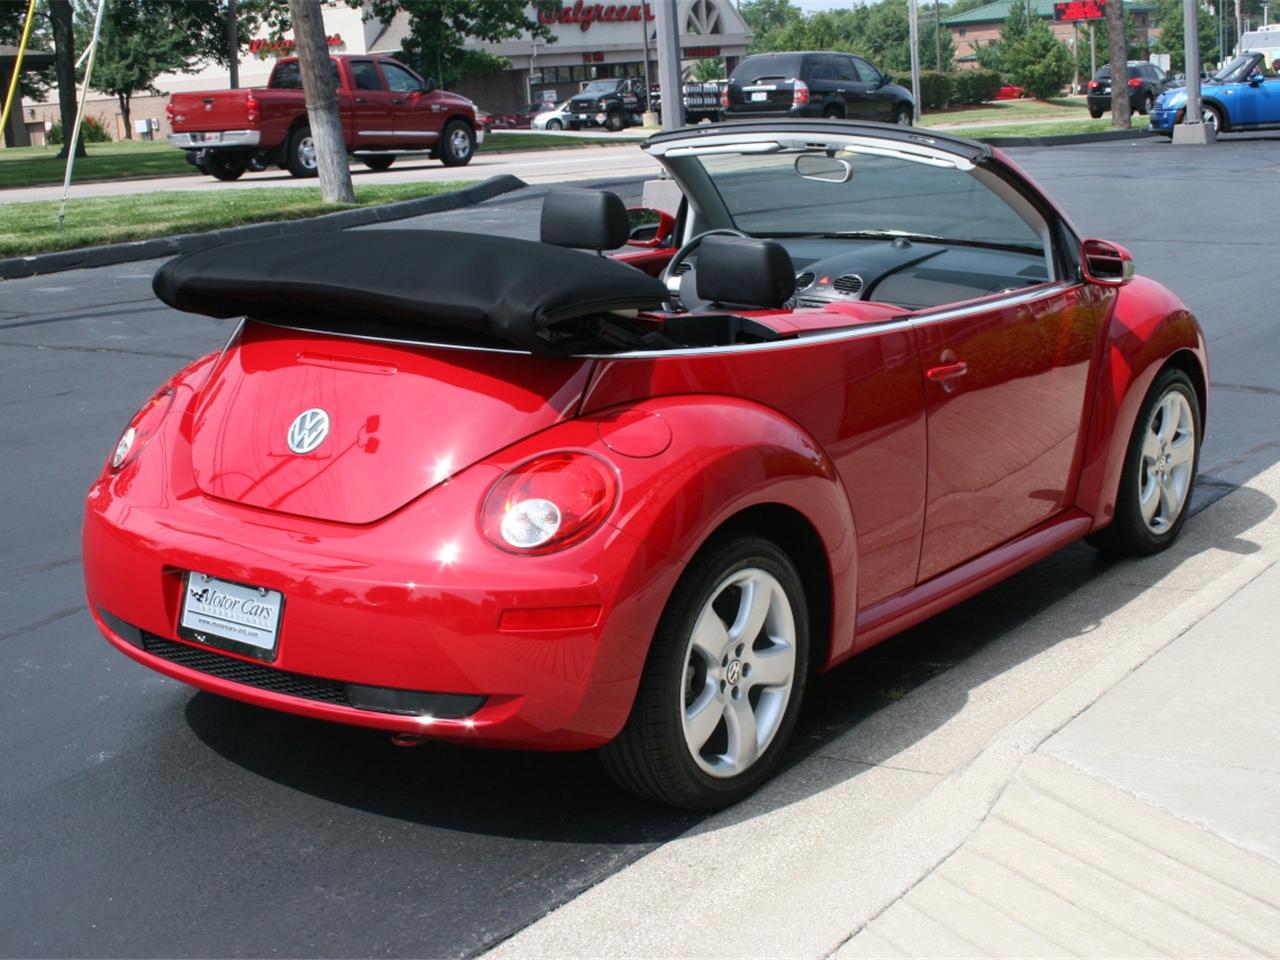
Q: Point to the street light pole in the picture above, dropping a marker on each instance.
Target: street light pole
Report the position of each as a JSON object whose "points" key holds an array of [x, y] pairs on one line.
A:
{"points": [[669, 65], [233, 44], [915, 59], [1193, 129]]}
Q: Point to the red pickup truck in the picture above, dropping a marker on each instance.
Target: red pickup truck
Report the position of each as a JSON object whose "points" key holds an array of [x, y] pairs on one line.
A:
{"points": [[386, 110]]}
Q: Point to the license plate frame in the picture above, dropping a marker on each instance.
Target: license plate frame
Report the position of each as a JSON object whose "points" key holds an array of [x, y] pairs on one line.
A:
{"points": [[759, 96], [228, 615]]}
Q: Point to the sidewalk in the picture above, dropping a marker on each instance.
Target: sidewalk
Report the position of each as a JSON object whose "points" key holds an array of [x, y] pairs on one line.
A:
{"points": [[1103, 780]]}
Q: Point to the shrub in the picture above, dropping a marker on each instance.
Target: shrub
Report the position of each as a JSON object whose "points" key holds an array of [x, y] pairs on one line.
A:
{"points": [[975, 86], [91, 131], [935, 90], [1040, 62]]}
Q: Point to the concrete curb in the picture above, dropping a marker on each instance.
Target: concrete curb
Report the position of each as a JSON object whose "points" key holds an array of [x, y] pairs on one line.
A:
{"points": [[1106, 136], [87, 257]]}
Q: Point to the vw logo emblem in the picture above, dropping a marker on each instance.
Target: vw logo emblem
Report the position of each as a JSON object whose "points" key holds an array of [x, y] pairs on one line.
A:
{"points": [[734, 673], [308, 430]]}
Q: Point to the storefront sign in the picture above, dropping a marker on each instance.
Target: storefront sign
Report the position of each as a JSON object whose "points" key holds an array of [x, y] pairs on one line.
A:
{"points": [[701, 52], [262, 47], [585, 14], [1079, 10]]}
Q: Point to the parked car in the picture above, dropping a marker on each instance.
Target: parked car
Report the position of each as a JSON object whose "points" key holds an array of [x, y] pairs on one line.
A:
{"points": [[1240, 96], [523, 118], [612, 104], [1146, 82], [831, 85], [1010, 92], [558, 118], [514, 493], [386, 109], [489, 120]]}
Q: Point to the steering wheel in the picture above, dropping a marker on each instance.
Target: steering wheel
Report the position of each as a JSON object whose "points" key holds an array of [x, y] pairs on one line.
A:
{"points": [[669, 271]]}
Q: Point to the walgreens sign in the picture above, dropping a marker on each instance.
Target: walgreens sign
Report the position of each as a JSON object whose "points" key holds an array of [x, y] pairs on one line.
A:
{"points": [[585, 14]]}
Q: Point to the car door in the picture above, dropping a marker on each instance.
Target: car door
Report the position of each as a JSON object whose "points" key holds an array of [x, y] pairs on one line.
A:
{"points": [[418, 115], [879, 99], [1005, 387], [1256, 102], [820, 75], [371, 107], [853, 89]]}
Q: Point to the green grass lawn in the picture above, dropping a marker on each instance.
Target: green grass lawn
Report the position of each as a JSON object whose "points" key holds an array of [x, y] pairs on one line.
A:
{"points": [[1049, 129], [27, 228], [1007, 111], [40, 166]]}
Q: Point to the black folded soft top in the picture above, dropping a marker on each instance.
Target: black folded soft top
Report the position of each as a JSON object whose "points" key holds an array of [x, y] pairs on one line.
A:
{"points": [[500, 289]]}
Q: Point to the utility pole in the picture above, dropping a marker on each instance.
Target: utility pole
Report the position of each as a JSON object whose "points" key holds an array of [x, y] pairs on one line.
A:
{"points": [[914, 11], [233, 44], [322, 101], [937, 32], [1192, 129], [669, 65]]}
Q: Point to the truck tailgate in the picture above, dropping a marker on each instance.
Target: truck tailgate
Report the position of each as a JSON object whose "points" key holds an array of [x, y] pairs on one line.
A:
{"points": [[211, 110]]}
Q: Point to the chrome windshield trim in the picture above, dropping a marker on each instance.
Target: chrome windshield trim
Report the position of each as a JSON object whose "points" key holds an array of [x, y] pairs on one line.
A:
{"points": [[1029, 296]]}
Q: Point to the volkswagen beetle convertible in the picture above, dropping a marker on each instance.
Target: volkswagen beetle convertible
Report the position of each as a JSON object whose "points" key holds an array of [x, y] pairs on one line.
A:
{"points": [[506, 492]]}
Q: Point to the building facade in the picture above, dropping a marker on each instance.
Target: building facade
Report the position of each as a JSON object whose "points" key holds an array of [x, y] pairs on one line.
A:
{"points": [[591, 41], [981, 26]]}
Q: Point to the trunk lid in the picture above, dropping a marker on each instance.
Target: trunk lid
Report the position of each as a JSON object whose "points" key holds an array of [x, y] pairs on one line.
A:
{"points": [[400, 418], [210, 110]]}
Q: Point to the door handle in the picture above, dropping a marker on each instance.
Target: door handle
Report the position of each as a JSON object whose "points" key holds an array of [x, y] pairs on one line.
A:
{"points": [[397, 99], [362, 99], [947, 371]]}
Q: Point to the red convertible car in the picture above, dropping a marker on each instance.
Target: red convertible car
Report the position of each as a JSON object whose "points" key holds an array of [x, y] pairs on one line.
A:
{"points": [[514, 493]]}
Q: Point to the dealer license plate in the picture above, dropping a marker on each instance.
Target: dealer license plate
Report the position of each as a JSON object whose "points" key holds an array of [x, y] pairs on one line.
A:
{"points": [[759, 96], [232, 616], [206, 137]]}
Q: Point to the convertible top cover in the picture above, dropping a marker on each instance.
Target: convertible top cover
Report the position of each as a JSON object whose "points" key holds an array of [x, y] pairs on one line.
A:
{"points": [[496, 288]]}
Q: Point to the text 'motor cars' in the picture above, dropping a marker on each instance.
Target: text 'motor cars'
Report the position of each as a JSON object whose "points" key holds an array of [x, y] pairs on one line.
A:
{"points": [[514, 493]]}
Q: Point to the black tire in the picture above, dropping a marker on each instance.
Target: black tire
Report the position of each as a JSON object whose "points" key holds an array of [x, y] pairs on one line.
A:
{"points": [[378, 163], [651, 756], [1095, 113], [903, 116], [554, 125], [1148, 101], [457, 144], [226, 165], [1129, 534], [300, 154], [833, 112], [614, 122], [1220, 120]]}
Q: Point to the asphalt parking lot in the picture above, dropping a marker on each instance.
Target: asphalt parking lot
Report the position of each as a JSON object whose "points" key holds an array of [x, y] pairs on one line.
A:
{"points": [[144, 819]]}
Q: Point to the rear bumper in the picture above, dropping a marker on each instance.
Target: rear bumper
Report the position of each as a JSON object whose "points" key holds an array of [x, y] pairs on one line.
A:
{"points": [[226, 139], [804, 110], [401, 639]]}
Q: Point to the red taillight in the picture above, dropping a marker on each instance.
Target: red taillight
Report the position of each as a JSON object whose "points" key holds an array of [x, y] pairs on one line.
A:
{"points": [[549, 503], [143, 426], [1094, 84], [251, 109], [1135, 82], [169, 111], [800, 94], [724, 97]]}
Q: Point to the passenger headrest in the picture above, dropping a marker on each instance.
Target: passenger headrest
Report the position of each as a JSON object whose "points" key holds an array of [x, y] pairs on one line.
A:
{"points": [[588, 219], [745, 271]]}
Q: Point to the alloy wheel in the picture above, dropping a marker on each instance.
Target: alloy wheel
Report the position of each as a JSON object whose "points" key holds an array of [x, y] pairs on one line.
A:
{"points": [[740, 665], [1168, 456]]}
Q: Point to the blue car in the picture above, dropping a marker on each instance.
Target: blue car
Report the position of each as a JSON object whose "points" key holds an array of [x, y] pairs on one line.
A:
{"points": [[1237, 97]]}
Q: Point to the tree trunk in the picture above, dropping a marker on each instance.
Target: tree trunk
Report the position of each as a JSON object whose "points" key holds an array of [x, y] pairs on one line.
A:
{"points": [[1119, 53], [64, 49], [322, 101], [124, 112]]}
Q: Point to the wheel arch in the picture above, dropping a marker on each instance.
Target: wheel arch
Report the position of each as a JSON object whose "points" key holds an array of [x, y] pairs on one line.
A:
{"points": [[1149, 330]]}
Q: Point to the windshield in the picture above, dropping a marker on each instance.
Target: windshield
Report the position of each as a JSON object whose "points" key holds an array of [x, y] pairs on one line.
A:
{"points": [[881, 196], [1236, 70], [599, 87]]}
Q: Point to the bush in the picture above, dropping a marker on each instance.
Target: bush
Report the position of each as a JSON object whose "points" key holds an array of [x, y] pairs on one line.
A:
{"points": [[935, 90], [1040, 62], [91, 131], [975, 86]]}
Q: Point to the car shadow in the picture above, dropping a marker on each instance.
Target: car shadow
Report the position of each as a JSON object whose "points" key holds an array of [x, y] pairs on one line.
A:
{"points": [[567, 797]]}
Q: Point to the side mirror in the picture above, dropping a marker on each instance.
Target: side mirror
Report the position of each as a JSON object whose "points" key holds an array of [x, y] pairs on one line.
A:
{"points": [[650, 228], [1106, 264], [428, 85], [885, 80]]}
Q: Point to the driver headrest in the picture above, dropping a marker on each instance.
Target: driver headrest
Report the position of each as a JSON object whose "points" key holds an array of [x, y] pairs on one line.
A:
{"points": [[587, 219], [744, 271]]}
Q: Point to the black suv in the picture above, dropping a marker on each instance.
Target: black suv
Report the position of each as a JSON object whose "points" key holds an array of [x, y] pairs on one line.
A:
{"points": [[810, 84], [1146, 83]]}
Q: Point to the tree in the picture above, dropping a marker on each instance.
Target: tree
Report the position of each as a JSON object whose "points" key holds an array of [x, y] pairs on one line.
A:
{"points": [[710, 69], [766, 18], [1173, 38], [1039, 61], [1016, 24], [62, 20], [142, 39], [433, 44], [322, 101], [1119, 65]]}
